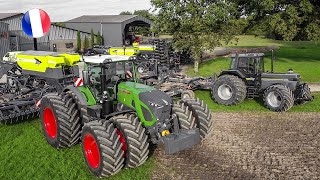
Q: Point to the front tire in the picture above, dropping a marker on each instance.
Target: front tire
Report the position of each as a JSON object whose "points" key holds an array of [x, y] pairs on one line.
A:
{"points": [[194, 113], [229, 90], [101, 148], [278, 98], [133, 138], [60, 120]]}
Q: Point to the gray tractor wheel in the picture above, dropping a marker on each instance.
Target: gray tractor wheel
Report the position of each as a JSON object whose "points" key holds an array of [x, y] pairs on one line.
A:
{"points": [[101, 148], [278, 98], [188, 94], [194, 113], [60, 120], [133, 138], [229, 90]]}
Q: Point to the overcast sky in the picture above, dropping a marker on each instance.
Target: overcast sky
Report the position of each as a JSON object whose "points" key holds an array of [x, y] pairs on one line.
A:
{"points": [[62, 10]]}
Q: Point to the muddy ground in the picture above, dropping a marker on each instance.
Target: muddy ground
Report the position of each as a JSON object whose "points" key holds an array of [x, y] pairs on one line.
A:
{"points": [[250, 146]]}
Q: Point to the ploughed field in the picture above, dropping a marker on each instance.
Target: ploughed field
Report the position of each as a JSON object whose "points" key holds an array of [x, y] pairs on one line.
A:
{"points": [[250, 146]]}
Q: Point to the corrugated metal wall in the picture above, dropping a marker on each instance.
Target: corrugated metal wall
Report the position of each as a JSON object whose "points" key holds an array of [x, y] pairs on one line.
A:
{"points": [[4, 39], [26, 43]]}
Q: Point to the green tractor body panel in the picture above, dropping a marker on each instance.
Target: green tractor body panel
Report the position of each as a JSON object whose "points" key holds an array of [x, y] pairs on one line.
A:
{"points": [[87, 95], [128, 94]]}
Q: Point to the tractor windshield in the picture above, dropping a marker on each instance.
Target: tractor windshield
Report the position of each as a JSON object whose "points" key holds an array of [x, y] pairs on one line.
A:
{"points": [[249, 65]]}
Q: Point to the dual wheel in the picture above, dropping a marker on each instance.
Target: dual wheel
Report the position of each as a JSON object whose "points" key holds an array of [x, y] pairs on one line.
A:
{"points": [[108, 146], [123, 141], [231, 90]]}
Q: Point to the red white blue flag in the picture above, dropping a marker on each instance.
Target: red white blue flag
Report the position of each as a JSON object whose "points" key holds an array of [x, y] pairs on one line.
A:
{"points": [[36, 23]]}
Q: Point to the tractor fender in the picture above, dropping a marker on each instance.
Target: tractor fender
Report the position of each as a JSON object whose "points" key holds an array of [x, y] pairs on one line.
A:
{"points": [[233, 72], [292, 85], [78, 93]]}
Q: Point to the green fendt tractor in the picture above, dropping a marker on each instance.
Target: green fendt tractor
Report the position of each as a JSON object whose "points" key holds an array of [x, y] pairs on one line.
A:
{"points": [[247, 78], [117, 118]]}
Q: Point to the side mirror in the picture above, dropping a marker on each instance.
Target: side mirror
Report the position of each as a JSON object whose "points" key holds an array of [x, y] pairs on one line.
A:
{"points": [[85, 77]]}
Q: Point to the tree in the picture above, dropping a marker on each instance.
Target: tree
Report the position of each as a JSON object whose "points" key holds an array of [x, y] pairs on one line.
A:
{"points": [[144, 13], [99, 39], [196, 26], [78, 41], [85, 43], [285, 20], [92, 38], [126, 13], [61, 24]]}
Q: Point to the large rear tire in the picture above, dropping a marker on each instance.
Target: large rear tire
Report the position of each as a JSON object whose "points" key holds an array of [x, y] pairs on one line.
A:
{"points": [[194, 113], [278, 98], [60, 120], [229, 90], [101, 148], [133, 138]]}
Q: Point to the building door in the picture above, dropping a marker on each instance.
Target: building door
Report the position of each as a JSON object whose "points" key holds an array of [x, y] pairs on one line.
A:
{"points": [[14, 43]]}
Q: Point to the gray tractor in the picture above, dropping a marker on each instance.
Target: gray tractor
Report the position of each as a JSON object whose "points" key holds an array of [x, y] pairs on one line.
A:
{"points": [[247, 78]]}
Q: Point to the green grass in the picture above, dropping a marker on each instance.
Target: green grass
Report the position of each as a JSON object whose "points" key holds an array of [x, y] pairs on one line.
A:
{"points": [[26, 155], [303, 57], [256, 105]]}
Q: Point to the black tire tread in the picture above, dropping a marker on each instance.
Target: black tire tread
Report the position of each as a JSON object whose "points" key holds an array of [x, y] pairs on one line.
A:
{"points": [[288, 97], [241, 90], [185, 117], [68, 117], [136, 139], [202, 114], [110, 145]]}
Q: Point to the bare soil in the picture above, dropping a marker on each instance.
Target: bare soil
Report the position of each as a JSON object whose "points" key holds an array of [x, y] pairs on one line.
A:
{"points": [[250, 146]]}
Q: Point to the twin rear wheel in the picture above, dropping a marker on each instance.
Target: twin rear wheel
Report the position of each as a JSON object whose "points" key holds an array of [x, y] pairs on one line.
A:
{"points": [[112, 145]]}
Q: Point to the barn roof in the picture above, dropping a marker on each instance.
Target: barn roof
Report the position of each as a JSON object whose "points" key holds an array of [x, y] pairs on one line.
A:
{"points": [[7, 15], [105, 19]]}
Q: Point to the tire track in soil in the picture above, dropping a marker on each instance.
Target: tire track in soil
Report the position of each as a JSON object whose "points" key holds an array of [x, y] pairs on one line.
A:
{"points": [[250, 146]]}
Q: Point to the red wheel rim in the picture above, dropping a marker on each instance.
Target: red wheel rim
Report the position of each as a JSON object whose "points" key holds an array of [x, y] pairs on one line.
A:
{"points": [[50, 122], [123, 142], [92, 151]]}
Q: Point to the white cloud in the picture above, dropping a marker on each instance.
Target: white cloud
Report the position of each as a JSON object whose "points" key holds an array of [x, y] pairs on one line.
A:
{"points": [[62, 10]]}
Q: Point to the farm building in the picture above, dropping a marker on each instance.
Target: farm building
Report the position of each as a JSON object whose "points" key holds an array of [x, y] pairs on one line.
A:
{"points": [[4, 40], [115, 29], [58, 39]]}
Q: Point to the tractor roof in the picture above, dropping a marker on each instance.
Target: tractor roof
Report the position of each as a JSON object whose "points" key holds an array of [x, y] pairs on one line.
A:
{"points": [[101, 58], [248, 55]]}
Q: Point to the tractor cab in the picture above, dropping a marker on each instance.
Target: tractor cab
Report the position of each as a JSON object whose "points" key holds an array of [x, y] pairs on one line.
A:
{"points": [[248, 64], [103, 73]]}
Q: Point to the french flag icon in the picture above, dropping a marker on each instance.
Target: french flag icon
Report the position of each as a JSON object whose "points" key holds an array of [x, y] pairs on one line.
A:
{"points": [[36, 23]]}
